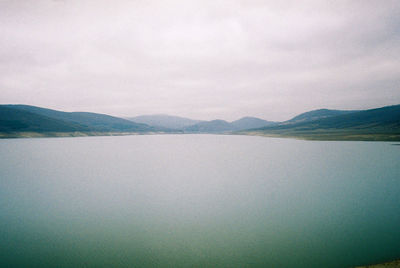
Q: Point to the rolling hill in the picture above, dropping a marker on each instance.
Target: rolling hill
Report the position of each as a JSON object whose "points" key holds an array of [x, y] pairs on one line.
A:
{"points": [[317, 114], [374, 124], [16, 119], [92, 121]]}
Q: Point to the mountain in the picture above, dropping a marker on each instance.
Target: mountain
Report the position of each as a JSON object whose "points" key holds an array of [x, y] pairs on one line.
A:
{"points": [[25, 118], [250, 122], [166, 121], [214, 126], [317, 114], [190, 125], [374, 124]]}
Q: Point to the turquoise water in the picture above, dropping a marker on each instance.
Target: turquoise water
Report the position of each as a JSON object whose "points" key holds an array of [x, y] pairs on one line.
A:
{"points": [[197, 201]]}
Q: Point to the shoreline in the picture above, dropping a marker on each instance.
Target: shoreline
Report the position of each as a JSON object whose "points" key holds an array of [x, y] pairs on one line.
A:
{"points": [[27, 135], [310, 137], [391, 264], [329, 136]]}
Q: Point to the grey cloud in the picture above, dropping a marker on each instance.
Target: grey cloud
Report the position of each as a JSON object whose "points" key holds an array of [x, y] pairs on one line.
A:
{"points": [[203, 59]]}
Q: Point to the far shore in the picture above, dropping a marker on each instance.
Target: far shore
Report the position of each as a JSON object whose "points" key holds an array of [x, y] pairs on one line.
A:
{"points": [[329, 136], [316, 137], [16, 135], [392, 264]]}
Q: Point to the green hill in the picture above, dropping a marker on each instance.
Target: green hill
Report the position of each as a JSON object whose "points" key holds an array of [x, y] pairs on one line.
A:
{"points": [[18, 120], [15, 120], [94, 121], [375, 124], [317, 114]]}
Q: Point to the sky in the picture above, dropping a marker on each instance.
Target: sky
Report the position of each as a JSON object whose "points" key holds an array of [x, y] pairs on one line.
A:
{"points": [[201, 59]]}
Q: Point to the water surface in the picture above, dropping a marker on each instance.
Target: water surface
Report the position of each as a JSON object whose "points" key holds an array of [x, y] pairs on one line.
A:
{"points": [[197, 200]]}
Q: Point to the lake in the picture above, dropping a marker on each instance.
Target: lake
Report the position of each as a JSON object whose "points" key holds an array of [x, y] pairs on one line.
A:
{"points": [[197, 201]]}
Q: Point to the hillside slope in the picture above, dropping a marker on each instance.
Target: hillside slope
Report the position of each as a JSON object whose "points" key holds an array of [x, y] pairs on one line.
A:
{"points": [[89, 121], [31, 121], [374, 124], [317, 114], [15, 120]]}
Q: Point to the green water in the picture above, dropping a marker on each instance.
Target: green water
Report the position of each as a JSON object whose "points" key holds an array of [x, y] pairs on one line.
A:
{"points": [[197, 201]]}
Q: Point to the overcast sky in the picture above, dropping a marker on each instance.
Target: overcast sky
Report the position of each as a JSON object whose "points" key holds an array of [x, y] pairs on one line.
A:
{"points": [[201, 59]]}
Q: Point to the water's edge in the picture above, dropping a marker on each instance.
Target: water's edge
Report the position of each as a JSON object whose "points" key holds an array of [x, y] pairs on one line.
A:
{"points": [[391, 264], [313, 137]]}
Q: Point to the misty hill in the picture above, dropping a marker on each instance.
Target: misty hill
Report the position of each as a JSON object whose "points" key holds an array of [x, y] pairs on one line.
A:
{"points": [[190, 125], [317, 114], [222, 126], [25, 118], [166, 121], [374, 124], [250, 122], [214, 126]]}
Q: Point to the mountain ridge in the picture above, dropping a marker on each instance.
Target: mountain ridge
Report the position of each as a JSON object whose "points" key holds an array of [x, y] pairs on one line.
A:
{"points": [[323, 124], [202, 126]]}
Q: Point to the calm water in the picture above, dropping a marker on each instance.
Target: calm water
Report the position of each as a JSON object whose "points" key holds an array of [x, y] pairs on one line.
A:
{"points": [[198, 200]]}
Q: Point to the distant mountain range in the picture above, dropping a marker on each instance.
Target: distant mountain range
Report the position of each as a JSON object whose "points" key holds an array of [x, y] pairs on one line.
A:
{"points": [[323, 124], [218, 126], [213, 126], [198, 126], [163, 120]]}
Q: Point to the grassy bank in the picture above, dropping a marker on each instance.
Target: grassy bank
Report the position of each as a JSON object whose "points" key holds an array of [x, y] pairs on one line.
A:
{"points": [[312, 136], [328, 136], [13, 135], [393, 264]]}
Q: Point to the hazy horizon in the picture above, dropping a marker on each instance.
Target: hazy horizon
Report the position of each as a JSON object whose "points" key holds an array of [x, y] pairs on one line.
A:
{"points": [[200, 59], [173, 115]]}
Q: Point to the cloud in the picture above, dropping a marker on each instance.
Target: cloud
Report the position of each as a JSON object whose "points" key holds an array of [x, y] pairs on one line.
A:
{"points": [[203, 59]]}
